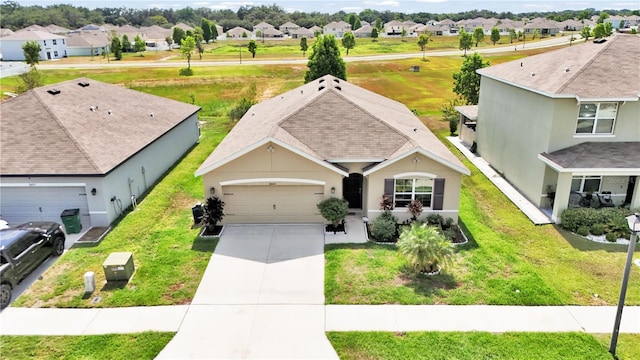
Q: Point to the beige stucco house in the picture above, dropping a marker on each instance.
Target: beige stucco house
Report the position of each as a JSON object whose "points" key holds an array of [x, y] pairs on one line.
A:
{"points": [[330, 138], [565, 124]]}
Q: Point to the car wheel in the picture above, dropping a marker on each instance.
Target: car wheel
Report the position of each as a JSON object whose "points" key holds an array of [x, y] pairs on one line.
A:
{"points": [[5, 295], [58, 246]]}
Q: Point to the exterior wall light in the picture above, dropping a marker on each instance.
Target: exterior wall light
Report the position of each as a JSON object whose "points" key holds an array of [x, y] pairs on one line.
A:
{"points": [[94, 191], [333, 189]]}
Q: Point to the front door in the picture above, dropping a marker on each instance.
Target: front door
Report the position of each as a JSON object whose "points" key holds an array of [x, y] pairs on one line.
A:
{"points": [[630, 187], [352, 190]]}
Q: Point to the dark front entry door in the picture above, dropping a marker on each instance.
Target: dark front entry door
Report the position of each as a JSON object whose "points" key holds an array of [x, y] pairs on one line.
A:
{"points": [[630, 187], [352, 190]]}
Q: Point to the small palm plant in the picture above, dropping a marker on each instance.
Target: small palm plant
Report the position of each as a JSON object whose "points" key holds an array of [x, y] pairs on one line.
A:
{"points": [[425, 247], [213, 213]]}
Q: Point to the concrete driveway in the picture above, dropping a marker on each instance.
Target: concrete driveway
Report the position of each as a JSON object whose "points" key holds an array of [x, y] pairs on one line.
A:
{"points": [[261, 297]]}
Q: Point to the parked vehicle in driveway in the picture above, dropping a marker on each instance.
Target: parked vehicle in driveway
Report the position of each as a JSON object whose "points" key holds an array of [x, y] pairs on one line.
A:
{"points": [[22, 249]]}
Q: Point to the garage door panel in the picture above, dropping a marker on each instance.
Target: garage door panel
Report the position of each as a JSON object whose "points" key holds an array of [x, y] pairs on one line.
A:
{"points": [[23, 204], [272, 204]]}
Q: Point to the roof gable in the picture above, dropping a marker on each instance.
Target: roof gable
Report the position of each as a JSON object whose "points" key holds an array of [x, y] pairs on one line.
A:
{"points": [[91, 129]]}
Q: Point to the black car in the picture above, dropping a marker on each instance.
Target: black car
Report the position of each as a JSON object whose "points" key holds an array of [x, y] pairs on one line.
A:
{"points": [[22, 249]]}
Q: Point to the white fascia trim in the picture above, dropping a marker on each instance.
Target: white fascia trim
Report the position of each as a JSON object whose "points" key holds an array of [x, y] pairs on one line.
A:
{"points": [[272, 180], [260, 143], [414, 175], [557, 96], [590, 171], [462, 170], [371, 160], [20, 185]]}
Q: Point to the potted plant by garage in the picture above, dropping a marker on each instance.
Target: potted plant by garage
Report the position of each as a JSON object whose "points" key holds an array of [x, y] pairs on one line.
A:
{"points": [[334, 210], [213, 214], [425, 248]]}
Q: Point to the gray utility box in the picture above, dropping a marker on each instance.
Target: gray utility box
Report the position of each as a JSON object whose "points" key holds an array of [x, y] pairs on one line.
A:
{"points": [[118, 266]]}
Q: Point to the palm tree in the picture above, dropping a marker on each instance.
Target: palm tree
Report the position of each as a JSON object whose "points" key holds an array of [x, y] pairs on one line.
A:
{"points": [[425, 247]]}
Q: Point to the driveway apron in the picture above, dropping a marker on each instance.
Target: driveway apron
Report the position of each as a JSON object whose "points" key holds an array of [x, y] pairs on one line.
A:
{"points": [[261, 297]]}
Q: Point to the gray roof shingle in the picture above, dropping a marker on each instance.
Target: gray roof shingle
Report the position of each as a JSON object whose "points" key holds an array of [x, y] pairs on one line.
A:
{"points": [[598, 155], [331, 119], [46, 134], [584, 71]]}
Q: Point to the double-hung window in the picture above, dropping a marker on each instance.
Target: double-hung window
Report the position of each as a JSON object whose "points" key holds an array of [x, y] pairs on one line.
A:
{"points": [[586, 184], [596, 118], [413, 189]]}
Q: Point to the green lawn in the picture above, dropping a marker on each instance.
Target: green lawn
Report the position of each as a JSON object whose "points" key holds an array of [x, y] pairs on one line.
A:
{"points": [[96, 347], [479, 345]]}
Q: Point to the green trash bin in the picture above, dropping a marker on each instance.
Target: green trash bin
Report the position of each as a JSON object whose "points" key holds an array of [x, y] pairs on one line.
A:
{"points": [[71, 221]]}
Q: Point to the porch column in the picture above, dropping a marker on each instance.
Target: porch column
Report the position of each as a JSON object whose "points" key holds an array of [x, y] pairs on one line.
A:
{"points": [[635, 199], [563, 189]]}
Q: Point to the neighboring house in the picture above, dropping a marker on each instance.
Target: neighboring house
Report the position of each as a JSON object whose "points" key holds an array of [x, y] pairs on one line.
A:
{"points": [[565, 122], [330, 138], [5, 32], [363, 32], [316, 30], [337, 29], [302, 33], [545, 27], [87, 44], [52, 46], [182, 26], [262, 27], [288, 28], [55, 29], [239, 33], [83, 144], [269, 33], [393, 27]]}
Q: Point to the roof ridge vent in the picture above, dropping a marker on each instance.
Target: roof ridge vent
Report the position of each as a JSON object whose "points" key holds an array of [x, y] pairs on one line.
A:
{"points": [[320, 88], [337, 87], [321, 81], [337, 81], [53, 91], [83, 83], [566, 69]]}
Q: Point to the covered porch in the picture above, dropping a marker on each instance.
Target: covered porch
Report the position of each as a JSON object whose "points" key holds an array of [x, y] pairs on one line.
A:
{"points": [[467, 124], [592, 174]]}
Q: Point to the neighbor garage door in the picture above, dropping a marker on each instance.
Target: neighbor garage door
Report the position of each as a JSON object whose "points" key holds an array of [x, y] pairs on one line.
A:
{"points": [[24, 204], [272, 204]]}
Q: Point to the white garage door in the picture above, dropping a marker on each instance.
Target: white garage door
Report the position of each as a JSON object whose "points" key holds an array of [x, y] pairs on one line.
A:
{"points": [[272, 204], [24, 204]]}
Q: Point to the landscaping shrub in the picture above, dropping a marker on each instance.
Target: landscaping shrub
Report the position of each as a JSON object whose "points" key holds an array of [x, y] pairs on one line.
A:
{"points": [[186, 72], [384, 227], [333, 210], [415, 209], [574, 218], [435, 220], [386, 203], [583, 231], [213, 212], [597, 229], [425, 247], [611, 237], [618, 226], [447, 224]]}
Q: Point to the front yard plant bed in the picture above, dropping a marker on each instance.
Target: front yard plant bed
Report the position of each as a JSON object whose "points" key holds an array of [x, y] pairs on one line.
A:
{"points": [[216, 232], [458, 237], [331, 229]]}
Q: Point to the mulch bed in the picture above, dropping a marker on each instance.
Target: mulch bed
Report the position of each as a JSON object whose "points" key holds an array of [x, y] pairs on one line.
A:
{"points": [[94, 234], [331, 229], [459, 239], [216, 231]]}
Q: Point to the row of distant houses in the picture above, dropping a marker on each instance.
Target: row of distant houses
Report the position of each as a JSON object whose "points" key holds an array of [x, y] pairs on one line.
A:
{"points": [[92, 40]]}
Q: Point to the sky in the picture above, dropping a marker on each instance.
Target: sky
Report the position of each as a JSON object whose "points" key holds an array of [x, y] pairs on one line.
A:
{"points": [[333, 6]]}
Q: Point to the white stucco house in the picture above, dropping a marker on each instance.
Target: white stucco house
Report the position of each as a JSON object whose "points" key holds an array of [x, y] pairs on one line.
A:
{"points": [[336, 28], [87, 145], [330, 138], [52, 46], [564, 125]]}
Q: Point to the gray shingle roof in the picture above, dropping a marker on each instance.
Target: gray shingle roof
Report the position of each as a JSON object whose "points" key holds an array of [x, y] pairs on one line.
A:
{"points": [[598, 155], [584, 70], [45, 134], [330, 120]]}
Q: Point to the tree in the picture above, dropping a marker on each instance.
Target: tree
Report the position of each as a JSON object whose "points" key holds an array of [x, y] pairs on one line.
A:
{"points": [[374, 34], [325, 59], [478, 35], [205, 25], [187, 45], [598, 31], [465, 41], [126, 44], [252, 48], [116, 47], [178, 35], [351, 19], [29, 80], [450, 114], [585, 32], [239, 110], [357, 25], [512, 35], [379, 24], [425, 247], [169, 41], [197, 37], [602, 17], [31, 50], [466, 82], [214, 32], [139, 45], [303, 46], [608, 29], [495, 35], [536, 32], [403, 33], [423, 40], [348, 41]]}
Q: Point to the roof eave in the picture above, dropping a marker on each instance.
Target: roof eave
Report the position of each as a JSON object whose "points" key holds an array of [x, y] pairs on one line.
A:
{"points": [[463, 170], [588, 171]]}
